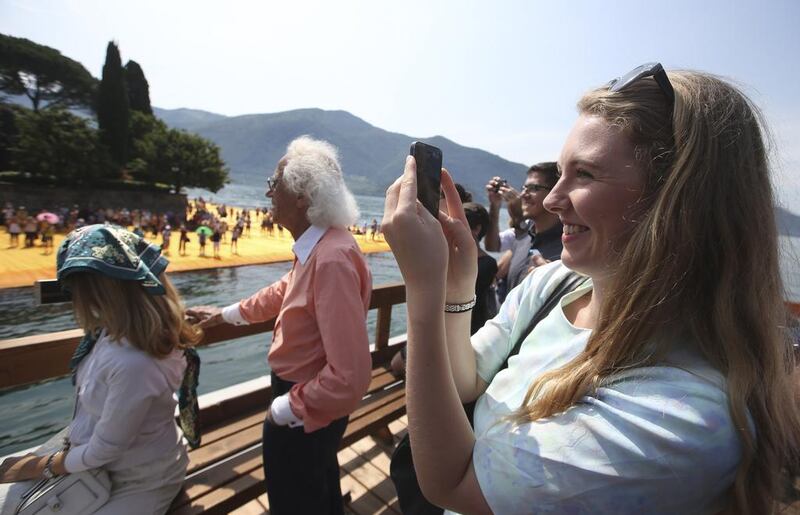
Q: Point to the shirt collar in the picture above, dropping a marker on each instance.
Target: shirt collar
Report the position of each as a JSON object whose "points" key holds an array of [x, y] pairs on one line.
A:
{"points": [[307, 241]]}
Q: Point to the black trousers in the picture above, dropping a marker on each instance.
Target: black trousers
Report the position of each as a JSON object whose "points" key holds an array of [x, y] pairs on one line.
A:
{"points": [[301, 469]]}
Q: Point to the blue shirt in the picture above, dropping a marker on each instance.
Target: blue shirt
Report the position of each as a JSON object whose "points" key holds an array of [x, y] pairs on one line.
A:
{"points": [[652, 439]]}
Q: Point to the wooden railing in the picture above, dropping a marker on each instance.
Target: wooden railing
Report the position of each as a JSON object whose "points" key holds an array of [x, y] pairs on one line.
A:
{"points": [[35, 358]]}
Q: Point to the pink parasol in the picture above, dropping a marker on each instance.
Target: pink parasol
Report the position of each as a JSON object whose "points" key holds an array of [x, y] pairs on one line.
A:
{"points": [[48, 217]]}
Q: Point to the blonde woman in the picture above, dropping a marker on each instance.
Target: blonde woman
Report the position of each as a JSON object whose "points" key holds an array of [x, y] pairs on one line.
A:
{"points": [[665, 384], [126, 371]]}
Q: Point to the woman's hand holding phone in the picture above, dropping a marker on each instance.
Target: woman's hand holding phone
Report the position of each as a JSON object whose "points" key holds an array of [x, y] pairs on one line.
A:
{"points": [[432, 255], [414, 235]]}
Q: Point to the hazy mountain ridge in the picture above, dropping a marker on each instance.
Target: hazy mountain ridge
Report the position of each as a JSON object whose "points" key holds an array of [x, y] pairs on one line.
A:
{"points": [[788, 222], [371, 157], [188, 119]]}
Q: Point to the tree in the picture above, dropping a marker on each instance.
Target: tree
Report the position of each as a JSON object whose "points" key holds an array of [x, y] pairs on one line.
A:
{"points": [[138, 88], [149, 148], [42, 74], [59, 146], [174, 157], [197, 162], [9, 135], [113, 110]]}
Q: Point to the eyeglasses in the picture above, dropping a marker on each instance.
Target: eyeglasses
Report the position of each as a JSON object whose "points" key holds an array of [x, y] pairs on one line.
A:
{"points": [[530, 189], [654, 70], [272, 183]]}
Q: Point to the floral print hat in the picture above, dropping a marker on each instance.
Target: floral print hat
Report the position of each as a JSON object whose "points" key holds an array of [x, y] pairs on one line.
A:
{"points": [[114, 252]]}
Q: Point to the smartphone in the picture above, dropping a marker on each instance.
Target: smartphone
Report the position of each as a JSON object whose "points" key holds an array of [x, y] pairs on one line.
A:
{"points": [[429, 175]]}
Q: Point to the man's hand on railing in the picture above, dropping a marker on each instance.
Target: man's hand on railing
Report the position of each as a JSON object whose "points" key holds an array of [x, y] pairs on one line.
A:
{"points": [[205, 316]]}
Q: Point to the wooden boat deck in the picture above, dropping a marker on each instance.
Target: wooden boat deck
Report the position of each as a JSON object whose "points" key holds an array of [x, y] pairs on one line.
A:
{"points": [[364, 472]]}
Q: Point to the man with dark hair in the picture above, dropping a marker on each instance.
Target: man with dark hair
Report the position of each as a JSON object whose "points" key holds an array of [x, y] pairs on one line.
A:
{"points": [[546, 228], [543, 241], [542, 177]]}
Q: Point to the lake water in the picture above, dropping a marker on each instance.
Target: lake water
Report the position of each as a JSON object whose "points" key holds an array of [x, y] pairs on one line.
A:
{"points": [[30, 414]]}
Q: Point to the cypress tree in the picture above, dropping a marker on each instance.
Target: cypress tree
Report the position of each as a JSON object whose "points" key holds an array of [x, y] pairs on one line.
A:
{"points": [[138, 88], [9, 134], [113, 107]]}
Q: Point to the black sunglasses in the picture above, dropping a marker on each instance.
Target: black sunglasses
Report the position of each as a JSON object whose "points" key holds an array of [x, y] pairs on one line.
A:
{"points": [[530, 189], [654, 70]]}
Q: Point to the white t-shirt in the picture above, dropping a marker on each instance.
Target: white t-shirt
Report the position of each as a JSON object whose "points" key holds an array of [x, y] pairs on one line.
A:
{"points": [[656, 439], [507, 238]]}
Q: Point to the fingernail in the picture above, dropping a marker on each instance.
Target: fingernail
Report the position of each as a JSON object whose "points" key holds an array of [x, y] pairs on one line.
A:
{"points": [[408, 158]]}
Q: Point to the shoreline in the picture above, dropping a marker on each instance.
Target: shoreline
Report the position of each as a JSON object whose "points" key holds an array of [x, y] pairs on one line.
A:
{"points": [[20, 267]]}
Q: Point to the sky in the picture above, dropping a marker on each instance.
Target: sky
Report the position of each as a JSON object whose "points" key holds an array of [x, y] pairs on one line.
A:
{"points": [[503, 76]]}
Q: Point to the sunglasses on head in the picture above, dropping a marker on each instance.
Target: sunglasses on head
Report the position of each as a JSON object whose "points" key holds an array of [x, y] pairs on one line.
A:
{"points": [[654, 70]]}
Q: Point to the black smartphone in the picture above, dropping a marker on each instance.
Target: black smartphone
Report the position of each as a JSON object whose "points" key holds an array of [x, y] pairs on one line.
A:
{"points": [[429, 175]]}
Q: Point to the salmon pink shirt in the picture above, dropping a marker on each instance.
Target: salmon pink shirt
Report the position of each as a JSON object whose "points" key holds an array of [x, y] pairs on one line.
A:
{"points": [[320, 339]]}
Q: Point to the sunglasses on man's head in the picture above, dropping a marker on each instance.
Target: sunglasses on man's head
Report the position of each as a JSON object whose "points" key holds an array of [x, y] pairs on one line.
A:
{"points": [[654, 70]]}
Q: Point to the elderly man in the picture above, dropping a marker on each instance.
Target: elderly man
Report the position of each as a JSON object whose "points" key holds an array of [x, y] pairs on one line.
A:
{"points": [[319, 356]]}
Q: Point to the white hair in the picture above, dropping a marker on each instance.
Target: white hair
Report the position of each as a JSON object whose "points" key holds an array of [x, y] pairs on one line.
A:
{"points": [[313, 170]]}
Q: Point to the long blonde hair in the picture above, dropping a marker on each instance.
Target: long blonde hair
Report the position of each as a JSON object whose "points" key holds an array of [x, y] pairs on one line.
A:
{"points": [[154, 324], [702, 261]]}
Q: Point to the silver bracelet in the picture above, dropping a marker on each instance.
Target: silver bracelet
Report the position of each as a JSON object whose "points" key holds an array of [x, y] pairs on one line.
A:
{"points": [[460, 308], [48, 467]]}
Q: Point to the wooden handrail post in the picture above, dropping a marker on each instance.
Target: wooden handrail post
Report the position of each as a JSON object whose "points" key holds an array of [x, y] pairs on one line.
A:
{"points": [[383, 326]]}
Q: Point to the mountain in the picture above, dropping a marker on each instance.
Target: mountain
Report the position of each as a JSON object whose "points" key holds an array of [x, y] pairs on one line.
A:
{"points": [[788, 222], [371, 157], [187, 119]]}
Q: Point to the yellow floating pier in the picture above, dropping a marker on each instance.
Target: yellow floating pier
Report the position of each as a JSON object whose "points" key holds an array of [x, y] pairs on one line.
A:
{"points": [[23, 267]]}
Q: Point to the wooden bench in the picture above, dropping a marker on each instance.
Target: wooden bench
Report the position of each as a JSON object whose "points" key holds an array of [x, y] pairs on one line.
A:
{"points": [[226, 470]]}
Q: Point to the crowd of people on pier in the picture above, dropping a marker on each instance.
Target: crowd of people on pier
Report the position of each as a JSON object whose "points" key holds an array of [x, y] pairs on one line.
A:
{"points": [[214, 225], [626, 353], [42, 224]]}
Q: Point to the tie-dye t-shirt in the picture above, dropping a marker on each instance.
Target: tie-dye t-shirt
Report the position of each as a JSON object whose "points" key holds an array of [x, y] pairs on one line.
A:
{"points": [[653, 439]]}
